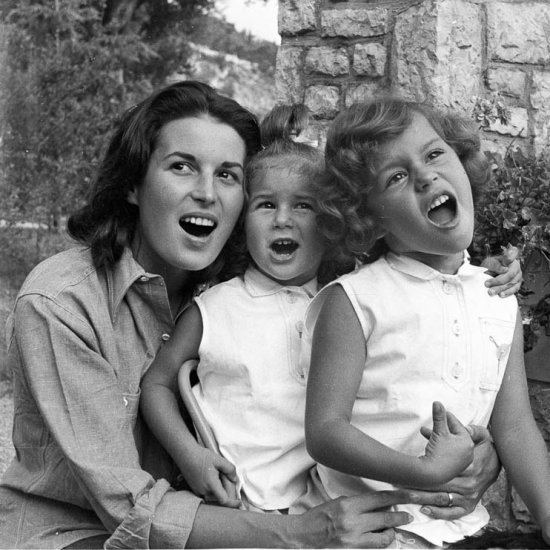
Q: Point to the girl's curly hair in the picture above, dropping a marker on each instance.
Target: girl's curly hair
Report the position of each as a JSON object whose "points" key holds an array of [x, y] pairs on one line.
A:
{"points": [[351, 156], [282, 131]]}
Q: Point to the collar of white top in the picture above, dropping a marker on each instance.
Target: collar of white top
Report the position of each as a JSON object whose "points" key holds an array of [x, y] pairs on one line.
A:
{"points": [[259, 284]]}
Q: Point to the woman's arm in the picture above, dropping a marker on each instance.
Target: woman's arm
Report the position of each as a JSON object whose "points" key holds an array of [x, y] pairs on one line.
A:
{"points": [[506, 271], [337, 363], [354, 522], [200, 467], [519, 443]]}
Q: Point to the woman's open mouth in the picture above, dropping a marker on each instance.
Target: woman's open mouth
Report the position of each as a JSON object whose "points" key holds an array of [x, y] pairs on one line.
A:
{"points": [[197, 226], [443, 210], [284, 247]]}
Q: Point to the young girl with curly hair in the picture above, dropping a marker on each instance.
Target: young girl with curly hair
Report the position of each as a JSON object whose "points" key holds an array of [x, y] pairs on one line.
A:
{"points": [[414, 328]]}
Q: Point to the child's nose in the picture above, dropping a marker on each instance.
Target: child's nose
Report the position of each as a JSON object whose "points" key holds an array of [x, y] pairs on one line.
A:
{"points": [[283, 218], [425, 179]]}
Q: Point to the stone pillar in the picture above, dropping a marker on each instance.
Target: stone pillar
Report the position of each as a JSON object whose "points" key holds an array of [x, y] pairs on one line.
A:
{"points": [[446, 52]]}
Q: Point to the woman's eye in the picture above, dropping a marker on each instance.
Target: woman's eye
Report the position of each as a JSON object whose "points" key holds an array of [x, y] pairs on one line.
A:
{"points": [[230, 177], [266, 204], [304, 206], [181, 167]]}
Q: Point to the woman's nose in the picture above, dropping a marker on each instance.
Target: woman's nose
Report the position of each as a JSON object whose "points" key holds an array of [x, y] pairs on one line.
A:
{"points": [[204, 190]]}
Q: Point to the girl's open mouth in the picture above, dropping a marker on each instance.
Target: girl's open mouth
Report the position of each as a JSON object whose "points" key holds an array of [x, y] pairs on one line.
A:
{"points": [[284, 247], [197, 226], [443, 209]]}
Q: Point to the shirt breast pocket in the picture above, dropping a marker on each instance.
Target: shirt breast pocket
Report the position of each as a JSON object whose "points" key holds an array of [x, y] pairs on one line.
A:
{"points": [[496, 340]]}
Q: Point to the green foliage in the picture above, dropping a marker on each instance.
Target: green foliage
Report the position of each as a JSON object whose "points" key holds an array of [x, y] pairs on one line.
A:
{"points": [[515, 208]]}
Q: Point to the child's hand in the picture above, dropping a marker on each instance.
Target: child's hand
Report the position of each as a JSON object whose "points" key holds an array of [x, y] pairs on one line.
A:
{"points": [[506, 271], [450, 448], [213, 478]]}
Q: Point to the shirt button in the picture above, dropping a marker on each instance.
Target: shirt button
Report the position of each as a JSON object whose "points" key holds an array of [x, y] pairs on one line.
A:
{"points": [[144, 279], [456, 328], [447, 288], [291, 298], [456, 371], [165, 337], [300, 327]]}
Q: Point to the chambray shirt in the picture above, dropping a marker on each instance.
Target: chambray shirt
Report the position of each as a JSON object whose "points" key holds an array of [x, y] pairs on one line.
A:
{"points": [[429, 337], [80, 340]]}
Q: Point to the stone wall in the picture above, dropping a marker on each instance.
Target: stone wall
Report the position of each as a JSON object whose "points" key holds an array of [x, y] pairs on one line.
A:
{"points": [[446, 52]]}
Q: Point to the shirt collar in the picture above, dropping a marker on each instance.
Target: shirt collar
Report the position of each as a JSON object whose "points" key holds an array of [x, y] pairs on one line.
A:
{"points": [[258, 284], [419, 270], [122, 276]]}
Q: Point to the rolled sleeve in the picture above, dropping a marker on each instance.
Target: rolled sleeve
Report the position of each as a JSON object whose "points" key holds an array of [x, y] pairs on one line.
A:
{"points": [[86, 413]]}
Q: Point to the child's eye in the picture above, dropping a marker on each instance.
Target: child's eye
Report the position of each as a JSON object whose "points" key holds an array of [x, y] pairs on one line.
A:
{"points": [[265, 204], [435, 154], [398, 177], [304, 206]]}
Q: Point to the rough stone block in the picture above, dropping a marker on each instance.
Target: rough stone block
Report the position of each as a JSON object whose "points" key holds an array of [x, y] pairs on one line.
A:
{"points": [[296, 16], [327, 60], [288, 75], [517, 125], [437, 52], [323, 101], [518, 33], [361, 92], [540, 101], [370, 59], [510, 82], [355, 22]]}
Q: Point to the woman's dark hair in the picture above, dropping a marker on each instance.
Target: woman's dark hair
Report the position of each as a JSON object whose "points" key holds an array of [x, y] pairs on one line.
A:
{"points": [[107, 222], [284, 147], [351, 157]]}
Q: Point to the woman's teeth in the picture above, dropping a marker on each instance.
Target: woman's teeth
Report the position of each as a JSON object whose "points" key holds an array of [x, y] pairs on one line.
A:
{"points": [[197, 226]]}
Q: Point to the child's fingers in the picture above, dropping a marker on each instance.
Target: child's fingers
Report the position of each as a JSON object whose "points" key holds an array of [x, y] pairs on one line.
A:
{"points": [[425, 432], [439, 419], [226, 468], [455, 426]]}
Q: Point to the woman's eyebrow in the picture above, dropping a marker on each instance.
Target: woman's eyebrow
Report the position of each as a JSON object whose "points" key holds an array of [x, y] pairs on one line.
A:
{"points": [[180, 154], [229, 164]]}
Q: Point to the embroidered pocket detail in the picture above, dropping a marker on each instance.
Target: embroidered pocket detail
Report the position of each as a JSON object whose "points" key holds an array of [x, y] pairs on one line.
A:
{"points": [[496, 338]]}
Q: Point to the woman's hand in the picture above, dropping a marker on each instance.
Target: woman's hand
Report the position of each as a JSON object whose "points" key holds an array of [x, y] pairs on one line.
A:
{"points": [[506, 271], [354, 522], [466, 489], [213, 478]]}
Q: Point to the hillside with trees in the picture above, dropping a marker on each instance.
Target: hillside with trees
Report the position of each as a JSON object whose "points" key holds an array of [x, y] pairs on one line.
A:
{"points": [[69, 67]]}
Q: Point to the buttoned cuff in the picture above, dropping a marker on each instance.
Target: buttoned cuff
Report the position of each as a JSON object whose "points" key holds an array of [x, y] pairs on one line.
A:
{"points": [[160, 518]]}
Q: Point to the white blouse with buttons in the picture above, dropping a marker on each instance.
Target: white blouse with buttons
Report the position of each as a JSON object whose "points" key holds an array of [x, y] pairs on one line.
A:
{"points": [[429, 337]]}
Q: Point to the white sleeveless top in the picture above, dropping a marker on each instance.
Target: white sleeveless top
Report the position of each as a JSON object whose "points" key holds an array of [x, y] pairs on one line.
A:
{"points": [[430, 337], [252, 389]]}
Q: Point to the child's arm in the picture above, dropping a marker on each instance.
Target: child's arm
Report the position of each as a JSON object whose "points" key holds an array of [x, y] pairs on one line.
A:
{"points": [[200, 467], [519, 443], [337, 363]]}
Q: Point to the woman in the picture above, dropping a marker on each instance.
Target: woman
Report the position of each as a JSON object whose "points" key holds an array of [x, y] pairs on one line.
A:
{"points": [[87, 323]]}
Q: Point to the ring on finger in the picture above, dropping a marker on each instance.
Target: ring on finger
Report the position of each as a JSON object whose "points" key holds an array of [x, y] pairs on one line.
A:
{"points": [[450, 504]]}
